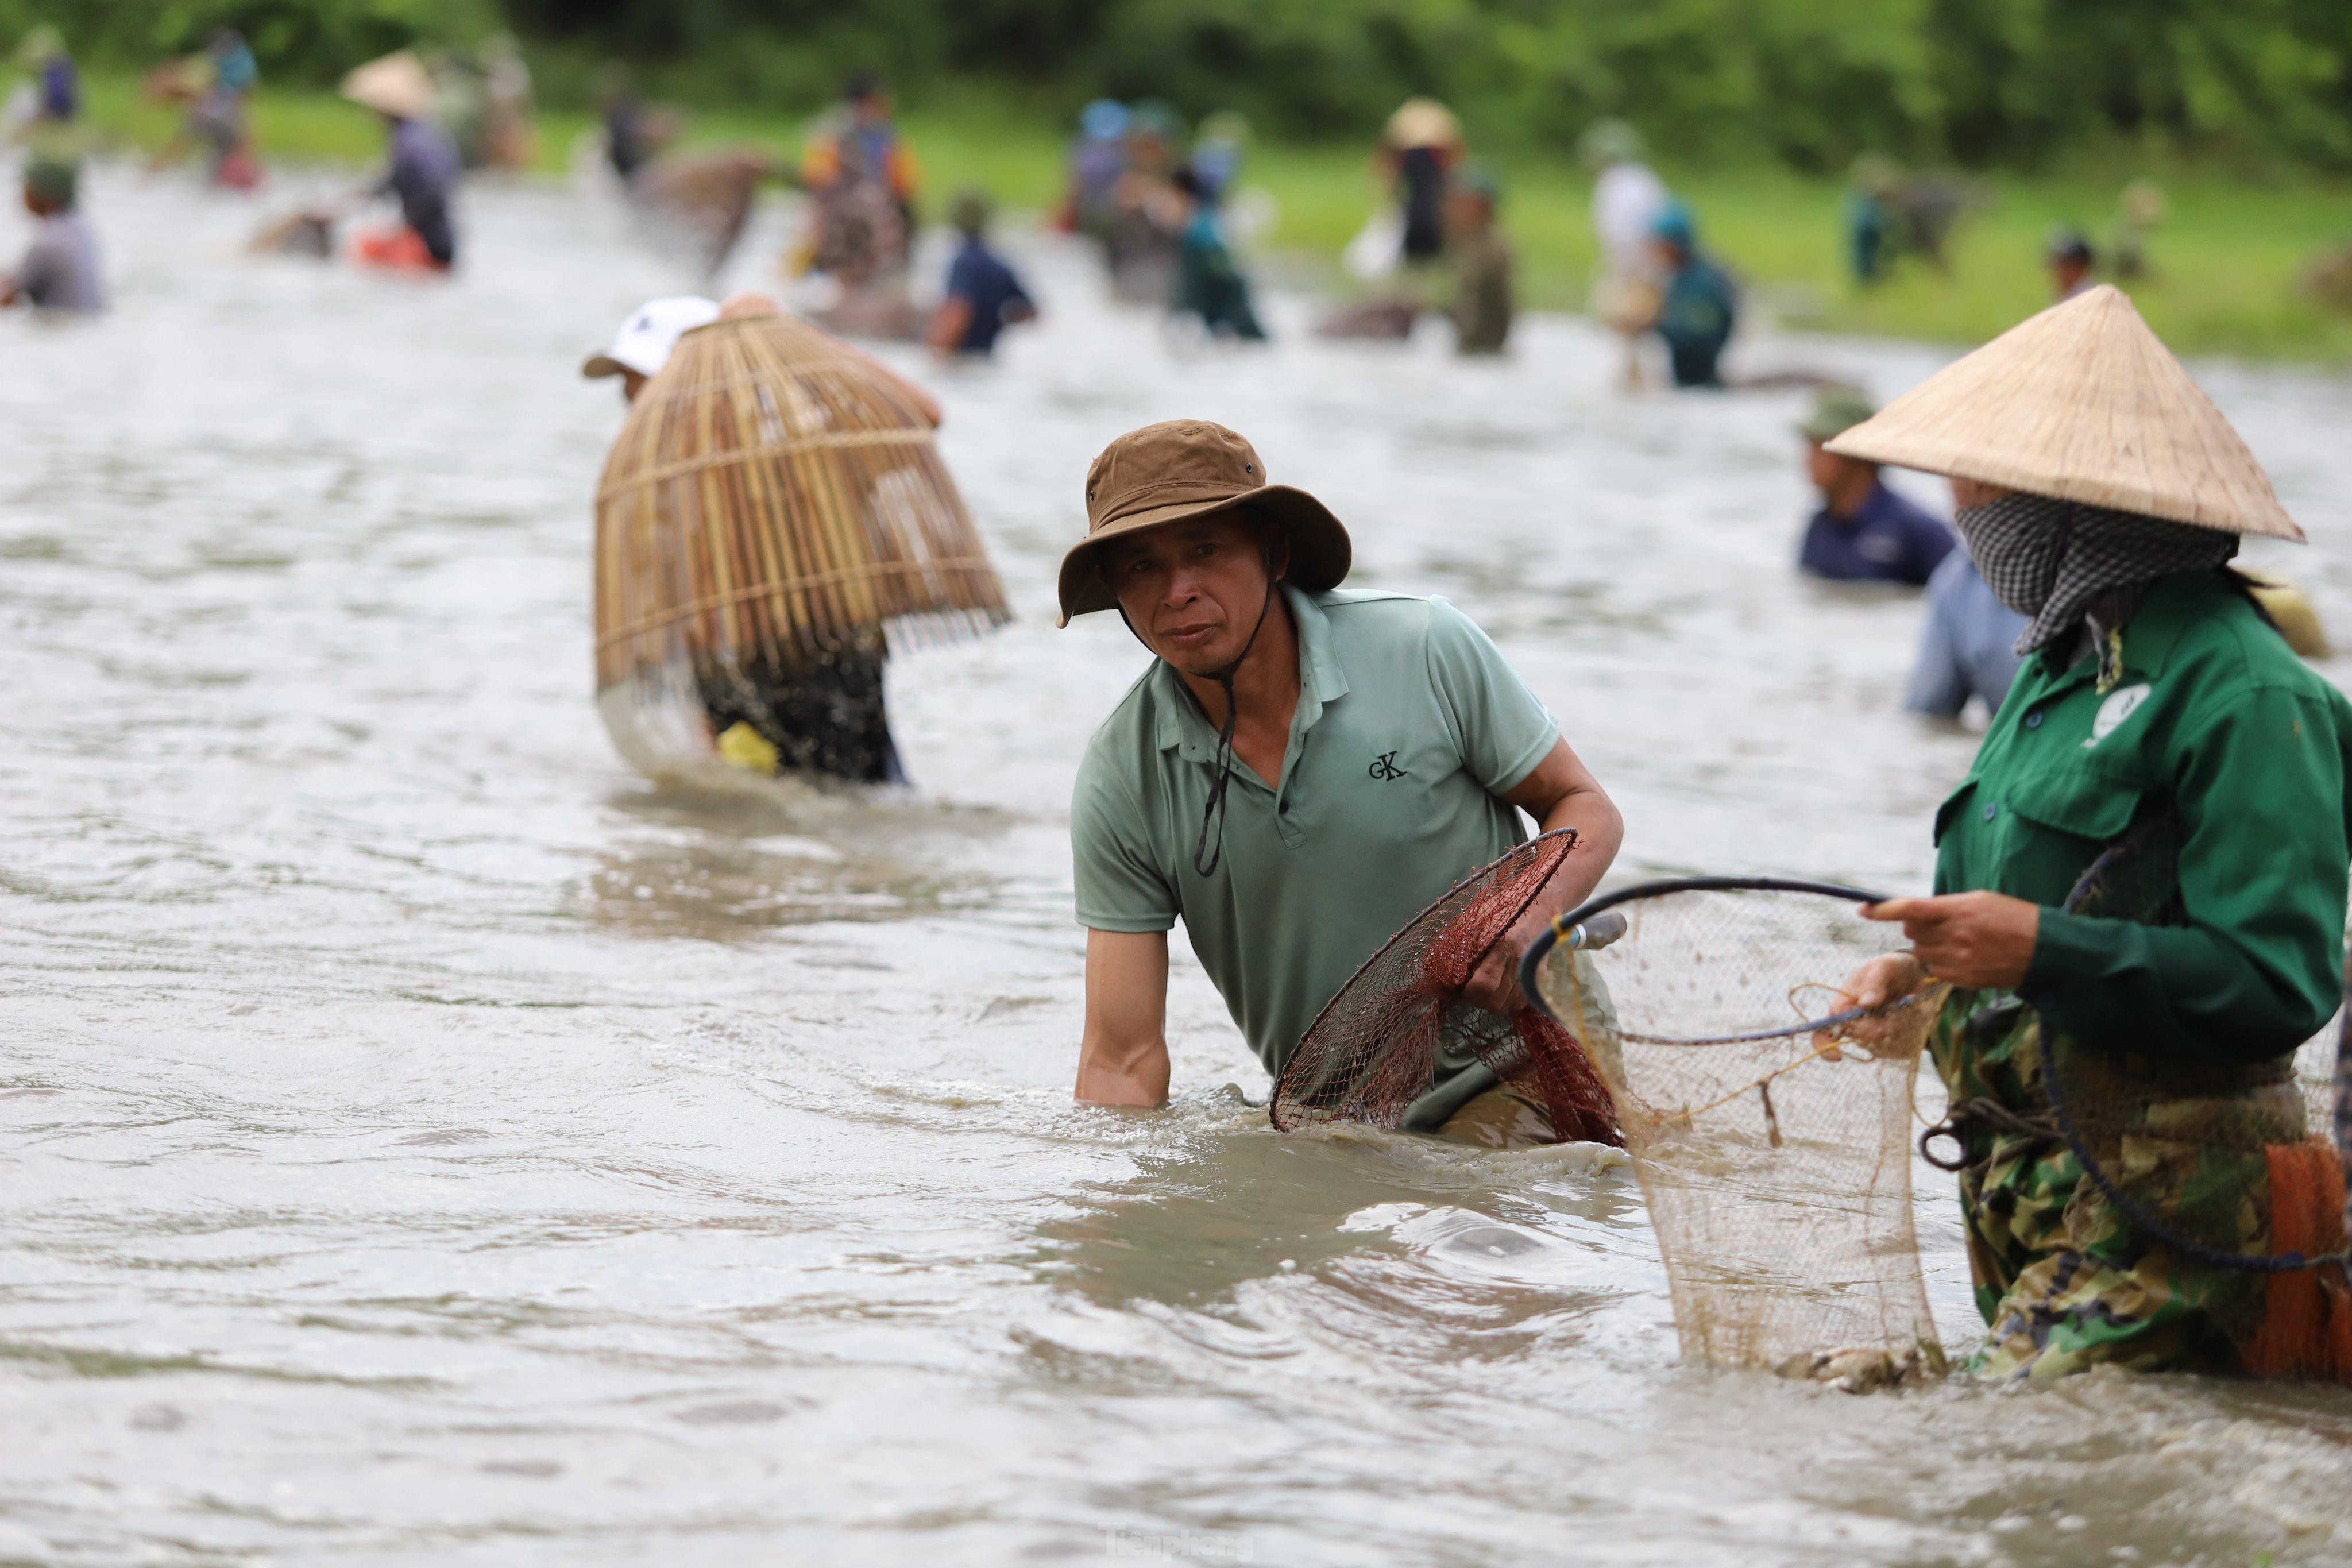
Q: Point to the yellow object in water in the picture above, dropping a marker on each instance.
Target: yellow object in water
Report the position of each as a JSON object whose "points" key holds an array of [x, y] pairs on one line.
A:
{"points": [[2297, 621], [741, 746]]}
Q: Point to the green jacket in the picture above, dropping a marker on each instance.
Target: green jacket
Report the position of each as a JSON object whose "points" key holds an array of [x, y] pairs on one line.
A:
{"points": [[2216, 719]]}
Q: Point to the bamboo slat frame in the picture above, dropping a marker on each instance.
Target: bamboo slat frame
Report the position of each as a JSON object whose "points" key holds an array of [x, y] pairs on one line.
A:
{"points": [[772, 489]]}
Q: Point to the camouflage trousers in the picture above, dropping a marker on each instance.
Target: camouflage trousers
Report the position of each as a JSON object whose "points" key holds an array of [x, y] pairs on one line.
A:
{"points": [[2066, 1280]]}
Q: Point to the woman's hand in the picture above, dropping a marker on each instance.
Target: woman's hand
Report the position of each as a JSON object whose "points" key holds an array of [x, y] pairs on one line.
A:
{"points": [[1964, 938], [1874, 984]]}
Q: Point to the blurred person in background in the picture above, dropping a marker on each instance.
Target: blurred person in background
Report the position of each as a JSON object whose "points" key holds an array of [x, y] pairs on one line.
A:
{"points": [[214, 88], [1141, 242], [632, 137], [1863, 533], [983, 296], [1419, 149], [857, 158], [1969, 648], [1210, 282], [424, 167], [1218, 150], [1627, 198], [59, 271], [1481, 257], [1698, 307], [1097, 161], [47, 101], [2069, 258], [642, 345], [2140, 211], [1870, 218]]}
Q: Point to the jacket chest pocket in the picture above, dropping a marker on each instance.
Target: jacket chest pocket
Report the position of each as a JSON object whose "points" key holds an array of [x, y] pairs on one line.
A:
{"points": [[2080, 801]]}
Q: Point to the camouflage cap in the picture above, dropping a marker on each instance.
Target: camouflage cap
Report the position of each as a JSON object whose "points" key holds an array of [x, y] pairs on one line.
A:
{"points": [[1837, 410]]}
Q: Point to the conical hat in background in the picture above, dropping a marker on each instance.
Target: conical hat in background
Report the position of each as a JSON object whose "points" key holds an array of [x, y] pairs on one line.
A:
{"points": [[397, 85], [1422, 122], [2083, 403]]}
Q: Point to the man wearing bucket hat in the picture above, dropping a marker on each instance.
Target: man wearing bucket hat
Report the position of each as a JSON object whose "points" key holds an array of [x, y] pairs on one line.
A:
{"points": [[1300, 771], [2140, 885]]}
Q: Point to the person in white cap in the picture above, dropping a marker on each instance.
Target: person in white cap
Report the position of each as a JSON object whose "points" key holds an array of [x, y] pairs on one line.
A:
{"points": [[641, 347], [2141, 884]]}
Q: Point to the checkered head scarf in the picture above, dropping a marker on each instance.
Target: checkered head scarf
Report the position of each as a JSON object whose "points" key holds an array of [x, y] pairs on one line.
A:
{"points": [[2055, 561]]}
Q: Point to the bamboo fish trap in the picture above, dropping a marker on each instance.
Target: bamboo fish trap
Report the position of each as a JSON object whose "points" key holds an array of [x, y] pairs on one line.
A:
{"points": [[772, 516]]}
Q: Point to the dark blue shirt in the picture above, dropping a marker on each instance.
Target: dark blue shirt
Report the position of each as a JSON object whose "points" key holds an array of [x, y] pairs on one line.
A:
{"points": [[980, 277], [1887, 539]]}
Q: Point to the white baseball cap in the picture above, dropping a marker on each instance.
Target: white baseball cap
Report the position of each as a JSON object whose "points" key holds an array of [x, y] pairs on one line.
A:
{"points": [[653, 329]]}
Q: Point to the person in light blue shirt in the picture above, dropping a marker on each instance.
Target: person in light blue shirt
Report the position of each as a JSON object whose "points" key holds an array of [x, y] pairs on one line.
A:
{"points": [[1969, 648]]}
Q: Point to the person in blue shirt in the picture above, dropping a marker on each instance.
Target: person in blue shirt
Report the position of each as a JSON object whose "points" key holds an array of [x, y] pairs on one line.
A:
{"points": [[1970, 648], [983, 296], [1700, 306], [1863, 531]]}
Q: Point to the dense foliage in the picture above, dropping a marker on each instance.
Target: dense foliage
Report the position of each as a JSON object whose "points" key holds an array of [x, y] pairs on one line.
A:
{"points": [[1808, 81]]}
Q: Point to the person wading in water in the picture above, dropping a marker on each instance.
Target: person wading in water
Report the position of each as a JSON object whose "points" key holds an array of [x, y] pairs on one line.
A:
{"points": [[1298, 773], [2101, 495]]}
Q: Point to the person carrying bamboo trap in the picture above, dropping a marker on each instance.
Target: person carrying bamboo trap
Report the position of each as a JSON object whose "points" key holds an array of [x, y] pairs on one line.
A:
{"points": [[2139, 897], [1298, 773], [773, 519]]}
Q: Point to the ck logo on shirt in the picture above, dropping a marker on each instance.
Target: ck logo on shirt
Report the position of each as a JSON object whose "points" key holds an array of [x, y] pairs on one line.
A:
{"points": [[1384, 767]]}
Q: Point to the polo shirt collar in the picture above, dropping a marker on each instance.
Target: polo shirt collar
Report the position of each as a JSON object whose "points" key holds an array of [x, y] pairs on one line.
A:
{"points": [[1322, 680]]}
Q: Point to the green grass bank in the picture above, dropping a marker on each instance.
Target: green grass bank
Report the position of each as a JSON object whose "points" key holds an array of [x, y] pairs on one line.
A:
{"points": [[2227, 263]]}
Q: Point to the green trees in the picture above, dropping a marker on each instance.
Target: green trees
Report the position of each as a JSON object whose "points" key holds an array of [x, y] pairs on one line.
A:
{"points": [[1806, 82]]}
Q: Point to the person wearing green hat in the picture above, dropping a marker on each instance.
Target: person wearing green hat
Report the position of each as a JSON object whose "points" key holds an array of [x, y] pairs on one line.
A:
{"points": [[59, 269], [1863, 533]]}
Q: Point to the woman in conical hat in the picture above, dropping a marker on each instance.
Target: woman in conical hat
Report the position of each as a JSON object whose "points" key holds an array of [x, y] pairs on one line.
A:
{"points": [[2140, 885]]}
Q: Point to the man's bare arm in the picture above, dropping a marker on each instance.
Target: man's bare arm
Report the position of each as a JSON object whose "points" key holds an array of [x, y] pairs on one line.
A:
{"points": [[1123, 1056], [1561, 793]]}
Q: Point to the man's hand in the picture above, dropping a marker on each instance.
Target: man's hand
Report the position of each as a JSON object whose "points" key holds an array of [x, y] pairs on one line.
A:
{"points": [[1123, 1056], [1560, 792], [1965, 939]]}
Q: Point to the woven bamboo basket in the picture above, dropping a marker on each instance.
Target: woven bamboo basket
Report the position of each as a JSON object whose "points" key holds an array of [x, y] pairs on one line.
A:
{"points": [[773, 498]]}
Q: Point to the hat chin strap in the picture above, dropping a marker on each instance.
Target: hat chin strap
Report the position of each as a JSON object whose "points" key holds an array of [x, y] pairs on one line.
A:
{"points": [[1209, 849]]}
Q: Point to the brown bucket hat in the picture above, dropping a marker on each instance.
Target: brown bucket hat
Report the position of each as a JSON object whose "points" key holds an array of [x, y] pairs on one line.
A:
{"points": [[1184, 468]]}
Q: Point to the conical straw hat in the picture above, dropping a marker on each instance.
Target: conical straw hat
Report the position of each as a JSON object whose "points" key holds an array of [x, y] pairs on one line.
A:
{"points": [[1422, 122], [397, 85], [2084, 404]]}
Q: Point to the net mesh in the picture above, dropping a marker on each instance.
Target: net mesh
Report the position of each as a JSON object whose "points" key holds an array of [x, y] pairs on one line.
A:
{"points": [[1771, 1126], [1401, 1023]]}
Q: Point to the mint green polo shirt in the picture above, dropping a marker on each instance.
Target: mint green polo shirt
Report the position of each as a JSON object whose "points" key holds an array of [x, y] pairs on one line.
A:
{"points": [[1409, 725]]}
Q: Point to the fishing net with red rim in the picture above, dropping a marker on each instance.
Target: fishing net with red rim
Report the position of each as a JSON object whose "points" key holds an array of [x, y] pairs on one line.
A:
{"points": [[1401, 1023], [1769, 1123]]}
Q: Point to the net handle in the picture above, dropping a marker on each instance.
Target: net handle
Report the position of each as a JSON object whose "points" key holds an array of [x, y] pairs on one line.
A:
{"points": [[1564, 927]]}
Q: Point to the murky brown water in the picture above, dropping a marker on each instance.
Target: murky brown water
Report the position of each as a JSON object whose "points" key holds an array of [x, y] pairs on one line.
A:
{"points": [[424, 1142]]}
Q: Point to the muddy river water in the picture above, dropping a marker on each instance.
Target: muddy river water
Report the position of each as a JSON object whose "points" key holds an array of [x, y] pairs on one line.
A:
{"points": [[421, 1140]]}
